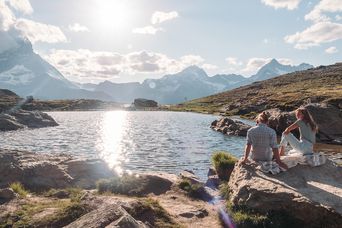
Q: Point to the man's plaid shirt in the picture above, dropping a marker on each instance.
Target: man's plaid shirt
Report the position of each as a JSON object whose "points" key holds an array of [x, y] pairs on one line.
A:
{"points": [[263, 139]]}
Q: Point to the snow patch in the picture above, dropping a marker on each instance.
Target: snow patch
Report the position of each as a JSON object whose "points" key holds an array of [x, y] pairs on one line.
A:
{"points": [[18, 75]]}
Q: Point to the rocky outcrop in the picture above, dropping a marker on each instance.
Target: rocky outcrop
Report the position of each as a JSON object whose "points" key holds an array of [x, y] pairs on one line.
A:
{"points": [[40, 171], [107, 216], [327, 117], [310, 196], [7, 194], [230, 127], [20, 119], [144, 103]]}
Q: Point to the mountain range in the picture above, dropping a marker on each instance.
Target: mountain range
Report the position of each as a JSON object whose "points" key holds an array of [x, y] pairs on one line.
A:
{"points": [[26, 73]]}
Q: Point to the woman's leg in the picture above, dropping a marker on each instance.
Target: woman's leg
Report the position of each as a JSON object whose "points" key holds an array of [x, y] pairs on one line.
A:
{"points": [[293, 141]]}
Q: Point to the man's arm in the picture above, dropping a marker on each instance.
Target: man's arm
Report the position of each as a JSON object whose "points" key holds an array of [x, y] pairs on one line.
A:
{"points": [[277, 158], [247, 151]]}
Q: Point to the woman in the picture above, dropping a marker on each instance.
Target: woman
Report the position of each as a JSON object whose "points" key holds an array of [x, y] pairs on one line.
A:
{"points": [[307, 129]]}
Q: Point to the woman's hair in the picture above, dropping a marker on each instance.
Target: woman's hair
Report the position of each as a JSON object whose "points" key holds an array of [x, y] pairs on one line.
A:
{"points": [[307, 118], [262, 117]]}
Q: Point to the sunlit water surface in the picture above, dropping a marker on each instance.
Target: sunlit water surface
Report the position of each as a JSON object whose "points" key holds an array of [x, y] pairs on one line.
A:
{"points": [[131, 141]]}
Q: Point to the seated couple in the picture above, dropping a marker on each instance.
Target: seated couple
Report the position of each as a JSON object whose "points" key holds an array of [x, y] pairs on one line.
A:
{"points": [[262, 140]]}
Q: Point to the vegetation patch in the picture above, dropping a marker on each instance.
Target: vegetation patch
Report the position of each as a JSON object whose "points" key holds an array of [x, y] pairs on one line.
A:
{"points": [[193, 190], [19, 189], [126, 185], [223, 163], [150, 211]]}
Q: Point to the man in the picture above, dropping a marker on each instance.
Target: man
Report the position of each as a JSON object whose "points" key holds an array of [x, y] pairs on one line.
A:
{"points": [[262, 141]]}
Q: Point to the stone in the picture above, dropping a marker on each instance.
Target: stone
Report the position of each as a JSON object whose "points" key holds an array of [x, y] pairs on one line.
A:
{"points": [[41, 171], [112, 215], [310, 195], [230, 127], [156, 183], [186, 175], [144, 103], [7, 194], [9, 123], [14, 120], [201, 213], [213, 182]]}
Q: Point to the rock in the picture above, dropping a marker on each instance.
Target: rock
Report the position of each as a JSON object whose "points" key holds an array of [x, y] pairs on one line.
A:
{"points": [[144, 103], [186, 175], [19, 119], [310, 196], [40, 171], [9, 123], [107, 216], [156, 183], [213, 182], [211, 171], [61, 194], [327, 117], [329, 121], [198, 213], [230, 127], [7, 194]]}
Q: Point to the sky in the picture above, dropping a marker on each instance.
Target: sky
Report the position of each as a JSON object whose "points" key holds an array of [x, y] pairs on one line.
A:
{"points": [[90, 41]]}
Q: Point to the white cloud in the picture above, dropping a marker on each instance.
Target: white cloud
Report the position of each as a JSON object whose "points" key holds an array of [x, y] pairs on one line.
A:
{"points": [[208, 66], [331, 50], [23, 6], [233, 61], [289, 4], [85, 65], [321, 32], [7, 17], [191, 59], [76, 27], [147, 30], [39, 32], [338, 17], [160, 17], [324, 6]]}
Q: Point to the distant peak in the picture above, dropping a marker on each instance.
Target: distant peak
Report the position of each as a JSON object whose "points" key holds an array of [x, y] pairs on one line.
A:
{"points": [[193, 68]]}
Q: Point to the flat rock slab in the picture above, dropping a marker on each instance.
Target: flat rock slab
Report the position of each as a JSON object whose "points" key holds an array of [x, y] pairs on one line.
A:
{"points": [[312, 195]]}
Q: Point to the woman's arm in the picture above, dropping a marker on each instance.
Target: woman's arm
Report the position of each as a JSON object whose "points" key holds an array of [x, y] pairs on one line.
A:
{"points": [[291, 128]]}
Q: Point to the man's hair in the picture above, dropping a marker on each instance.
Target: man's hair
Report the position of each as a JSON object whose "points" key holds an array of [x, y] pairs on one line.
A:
{"points": [[262, 117]]}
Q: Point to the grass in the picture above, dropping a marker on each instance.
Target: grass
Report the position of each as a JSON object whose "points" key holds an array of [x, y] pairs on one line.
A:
{"points": [[126, 185], [223, 163], [150, 211], [193, 190], [75, 194], [19, 189]]}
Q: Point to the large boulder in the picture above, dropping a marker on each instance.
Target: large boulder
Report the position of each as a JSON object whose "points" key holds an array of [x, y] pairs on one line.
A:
{"points": [[311, 196], [327, 117], [107, 216], [329, 121], [144, 103], [7, 194], [230, 127], [41, 171], [19, 119]]}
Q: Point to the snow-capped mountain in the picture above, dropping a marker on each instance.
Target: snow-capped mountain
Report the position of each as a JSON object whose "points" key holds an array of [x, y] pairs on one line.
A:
{"points": [[26, 73], [274, 68]]}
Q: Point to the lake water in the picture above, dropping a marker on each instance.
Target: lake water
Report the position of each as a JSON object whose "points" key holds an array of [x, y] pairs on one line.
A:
{"points": [[131, 141]]}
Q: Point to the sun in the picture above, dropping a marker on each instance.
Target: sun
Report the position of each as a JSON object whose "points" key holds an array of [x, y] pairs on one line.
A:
{"points": [[112, 14]]}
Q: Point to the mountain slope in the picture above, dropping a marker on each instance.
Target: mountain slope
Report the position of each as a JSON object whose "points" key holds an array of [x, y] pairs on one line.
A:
{"points": [[287, 92], [26, 73]]}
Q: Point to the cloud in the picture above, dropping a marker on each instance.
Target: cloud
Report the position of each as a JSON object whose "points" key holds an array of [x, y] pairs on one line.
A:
{"points": [[324, 6], [34, 31], [331, 50], [7, 17], [321, 32], [191, 59], [78, 28], [150, 30], [23, 6], [160, 17], [39, 32], [289, 4], [85, 65], [233, 61], [207, 66]]}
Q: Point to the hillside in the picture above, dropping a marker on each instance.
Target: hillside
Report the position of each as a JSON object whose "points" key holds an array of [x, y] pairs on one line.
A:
{"points": [[286, 92]]}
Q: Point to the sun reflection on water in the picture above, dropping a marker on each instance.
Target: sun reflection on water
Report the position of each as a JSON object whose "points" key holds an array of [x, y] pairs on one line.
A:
{"points": [[109, 145]]}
